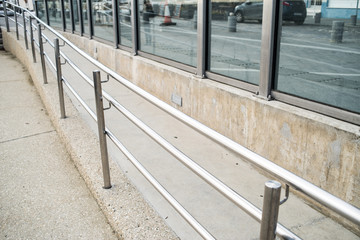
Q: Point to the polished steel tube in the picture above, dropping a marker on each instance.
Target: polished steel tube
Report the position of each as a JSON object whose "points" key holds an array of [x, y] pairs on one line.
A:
{"points": [[16, 25], [25, 31], [81, 101], [177, 206], [50, 61], [270, 210], [41, 50], [32, 39], [48, 41], [59, 78], [241, 202], [101, 128], [6, 17], [335, 204]]}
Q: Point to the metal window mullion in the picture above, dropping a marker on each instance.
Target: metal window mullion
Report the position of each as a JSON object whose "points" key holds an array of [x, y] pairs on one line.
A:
{"points": [[135, 26], [81, 20], [63, 15], [268, 48], [36, 8], [201, 37], [90, 21], [71, 9], [47, 12], [115, 22]]}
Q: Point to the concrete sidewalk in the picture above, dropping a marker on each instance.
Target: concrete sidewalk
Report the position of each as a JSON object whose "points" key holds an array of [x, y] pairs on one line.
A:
{"points": [[129, 211], [42, 195]]}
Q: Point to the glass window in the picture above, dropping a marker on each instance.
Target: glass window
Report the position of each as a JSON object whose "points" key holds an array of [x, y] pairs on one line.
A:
{"points": [[55, 13], [103, 19], [67, 15], [125, 29], [235, 39], [320, 59], [85, 16], [75, 8], [41, 10], [169, 29]]}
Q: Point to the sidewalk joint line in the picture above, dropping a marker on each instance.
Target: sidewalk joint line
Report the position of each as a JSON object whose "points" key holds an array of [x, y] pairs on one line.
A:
{"points": [[28, 136]]}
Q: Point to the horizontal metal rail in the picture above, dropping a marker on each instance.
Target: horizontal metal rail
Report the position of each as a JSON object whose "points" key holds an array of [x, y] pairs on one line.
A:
{"points": [[49, 60], [177, 206], [36, 43], [81, 101], [241, 202], [335, 204], [48, 40]]}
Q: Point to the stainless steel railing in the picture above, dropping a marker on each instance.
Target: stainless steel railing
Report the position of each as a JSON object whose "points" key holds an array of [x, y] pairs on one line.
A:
{"points": [[335, 204]]}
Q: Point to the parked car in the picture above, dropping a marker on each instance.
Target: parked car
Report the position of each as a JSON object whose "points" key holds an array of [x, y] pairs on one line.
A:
{"points": [[293, 10]]}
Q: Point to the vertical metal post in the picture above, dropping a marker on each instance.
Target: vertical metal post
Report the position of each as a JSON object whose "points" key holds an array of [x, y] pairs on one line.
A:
{"points": [[115, 15], [270, 210], [269, 48], [72, 22], [16, 25], [6, 17], [25, 31], [202, 26], [36, 6], [47, 12], [41, 46], [80, 14], [63, 17], [32, 40], [135, 27], [90, 19], [101, 128], [59, 77]]}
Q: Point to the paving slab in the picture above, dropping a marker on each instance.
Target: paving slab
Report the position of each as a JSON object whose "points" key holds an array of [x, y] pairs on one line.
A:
{"points": [[42, 195]]}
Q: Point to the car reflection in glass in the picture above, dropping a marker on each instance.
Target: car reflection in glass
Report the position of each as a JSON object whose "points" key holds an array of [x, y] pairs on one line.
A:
{"points": [[293, 10]]}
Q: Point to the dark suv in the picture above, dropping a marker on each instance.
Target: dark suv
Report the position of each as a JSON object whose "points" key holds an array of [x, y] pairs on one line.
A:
{"points": [[293, 10]]}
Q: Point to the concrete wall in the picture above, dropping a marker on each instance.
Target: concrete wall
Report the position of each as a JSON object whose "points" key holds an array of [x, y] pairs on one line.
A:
{"points": [[323, 150]]}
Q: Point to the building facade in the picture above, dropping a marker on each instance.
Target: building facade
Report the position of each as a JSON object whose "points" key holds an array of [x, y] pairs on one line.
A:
{"points": [[286, 90]]}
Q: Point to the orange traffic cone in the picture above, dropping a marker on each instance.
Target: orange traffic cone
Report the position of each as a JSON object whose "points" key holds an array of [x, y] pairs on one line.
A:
{"points": [[167, 17]]}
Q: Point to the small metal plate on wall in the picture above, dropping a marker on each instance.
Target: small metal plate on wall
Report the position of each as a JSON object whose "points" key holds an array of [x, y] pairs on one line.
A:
{"points": [[176, 99]]}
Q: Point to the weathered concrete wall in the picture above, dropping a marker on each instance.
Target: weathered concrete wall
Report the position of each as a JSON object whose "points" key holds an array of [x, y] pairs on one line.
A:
{"points": [[323, 150]]}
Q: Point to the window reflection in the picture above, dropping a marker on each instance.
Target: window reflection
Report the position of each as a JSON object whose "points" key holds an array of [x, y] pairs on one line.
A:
{"points": [[167, 29], [67, 15], [85, 16], [75, 8], [41, 10], [320, 60], [55, 13], [103, 19], [236, 39], [125, 29]]}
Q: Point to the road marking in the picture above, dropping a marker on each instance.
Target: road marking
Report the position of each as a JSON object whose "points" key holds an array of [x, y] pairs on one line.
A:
{"points": [[321, 48], [234, 70], [336, 74]]}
